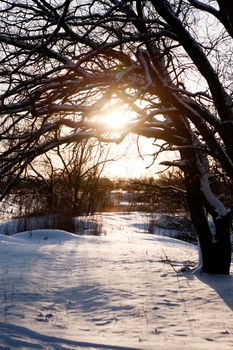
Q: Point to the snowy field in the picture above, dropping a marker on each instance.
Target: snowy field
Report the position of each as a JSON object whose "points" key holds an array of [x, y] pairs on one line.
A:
{"points": [[124, 290]]}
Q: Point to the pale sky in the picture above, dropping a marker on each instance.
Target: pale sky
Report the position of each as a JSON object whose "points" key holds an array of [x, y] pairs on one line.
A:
{"points": [[131, 164]]}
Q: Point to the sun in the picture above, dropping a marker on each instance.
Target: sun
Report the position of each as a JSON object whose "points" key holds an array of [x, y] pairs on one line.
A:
{"points": [[116, 119]]}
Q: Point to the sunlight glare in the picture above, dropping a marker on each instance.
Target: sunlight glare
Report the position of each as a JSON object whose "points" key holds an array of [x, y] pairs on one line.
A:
{"points": [[116, 119]]}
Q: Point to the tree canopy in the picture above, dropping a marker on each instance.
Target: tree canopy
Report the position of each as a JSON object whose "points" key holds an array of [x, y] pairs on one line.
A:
{"points": [[63, 63]]}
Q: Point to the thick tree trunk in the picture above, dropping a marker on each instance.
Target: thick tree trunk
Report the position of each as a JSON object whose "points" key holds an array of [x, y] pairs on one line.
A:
{"points": [[221, 246], [215, 247]]}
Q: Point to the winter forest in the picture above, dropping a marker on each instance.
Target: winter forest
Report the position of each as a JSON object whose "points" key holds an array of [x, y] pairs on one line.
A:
{"points": [[93, 256]]}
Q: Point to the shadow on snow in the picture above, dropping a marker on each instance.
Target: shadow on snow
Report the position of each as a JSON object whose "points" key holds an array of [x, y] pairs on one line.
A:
{"points": [[18, 337], [222, 284]]}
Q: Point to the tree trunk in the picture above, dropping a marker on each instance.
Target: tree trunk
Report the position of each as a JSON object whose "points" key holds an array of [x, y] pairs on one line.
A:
{"points": [[215, 247], [221, 246]]}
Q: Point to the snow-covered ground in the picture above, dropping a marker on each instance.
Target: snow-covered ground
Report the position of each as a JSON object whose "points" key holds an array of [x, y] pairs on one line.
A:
{"points": [[123, 290]]}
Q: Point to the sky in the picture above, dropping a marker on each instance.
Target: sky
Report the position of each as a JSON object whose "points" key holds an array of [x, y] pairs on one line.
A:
{"points": [[133, 157], [131, 164], [134, 154]]}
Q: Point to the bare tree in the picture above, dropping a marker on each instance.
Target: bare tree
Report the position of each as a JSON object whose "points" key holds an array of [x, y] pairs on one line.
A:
{"points": [[164, 193], [75, 177], [67, 180], [65, 63]]}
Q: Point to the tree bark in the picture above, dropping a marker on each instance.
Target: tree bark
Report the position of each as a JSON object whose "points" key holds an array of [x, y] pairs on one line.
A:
{"points": [[215, 246]]}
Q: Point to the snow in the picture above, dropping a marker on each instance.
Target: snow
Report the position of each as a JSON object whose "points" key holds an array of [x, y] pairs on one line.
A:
{"points": [[50, 236], [213, 201], [126, 289]]}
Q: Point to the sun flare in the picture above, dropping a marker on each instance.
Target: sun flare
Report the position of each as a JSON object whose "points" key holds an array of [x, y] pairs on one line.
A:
{"points": [[116, 119]]}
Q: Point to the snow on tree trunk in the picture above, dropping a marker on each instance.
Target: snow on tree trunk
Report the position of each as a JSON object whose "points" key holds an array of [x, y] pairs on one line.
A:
{"points": [[215, 245], [221, 243]]}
